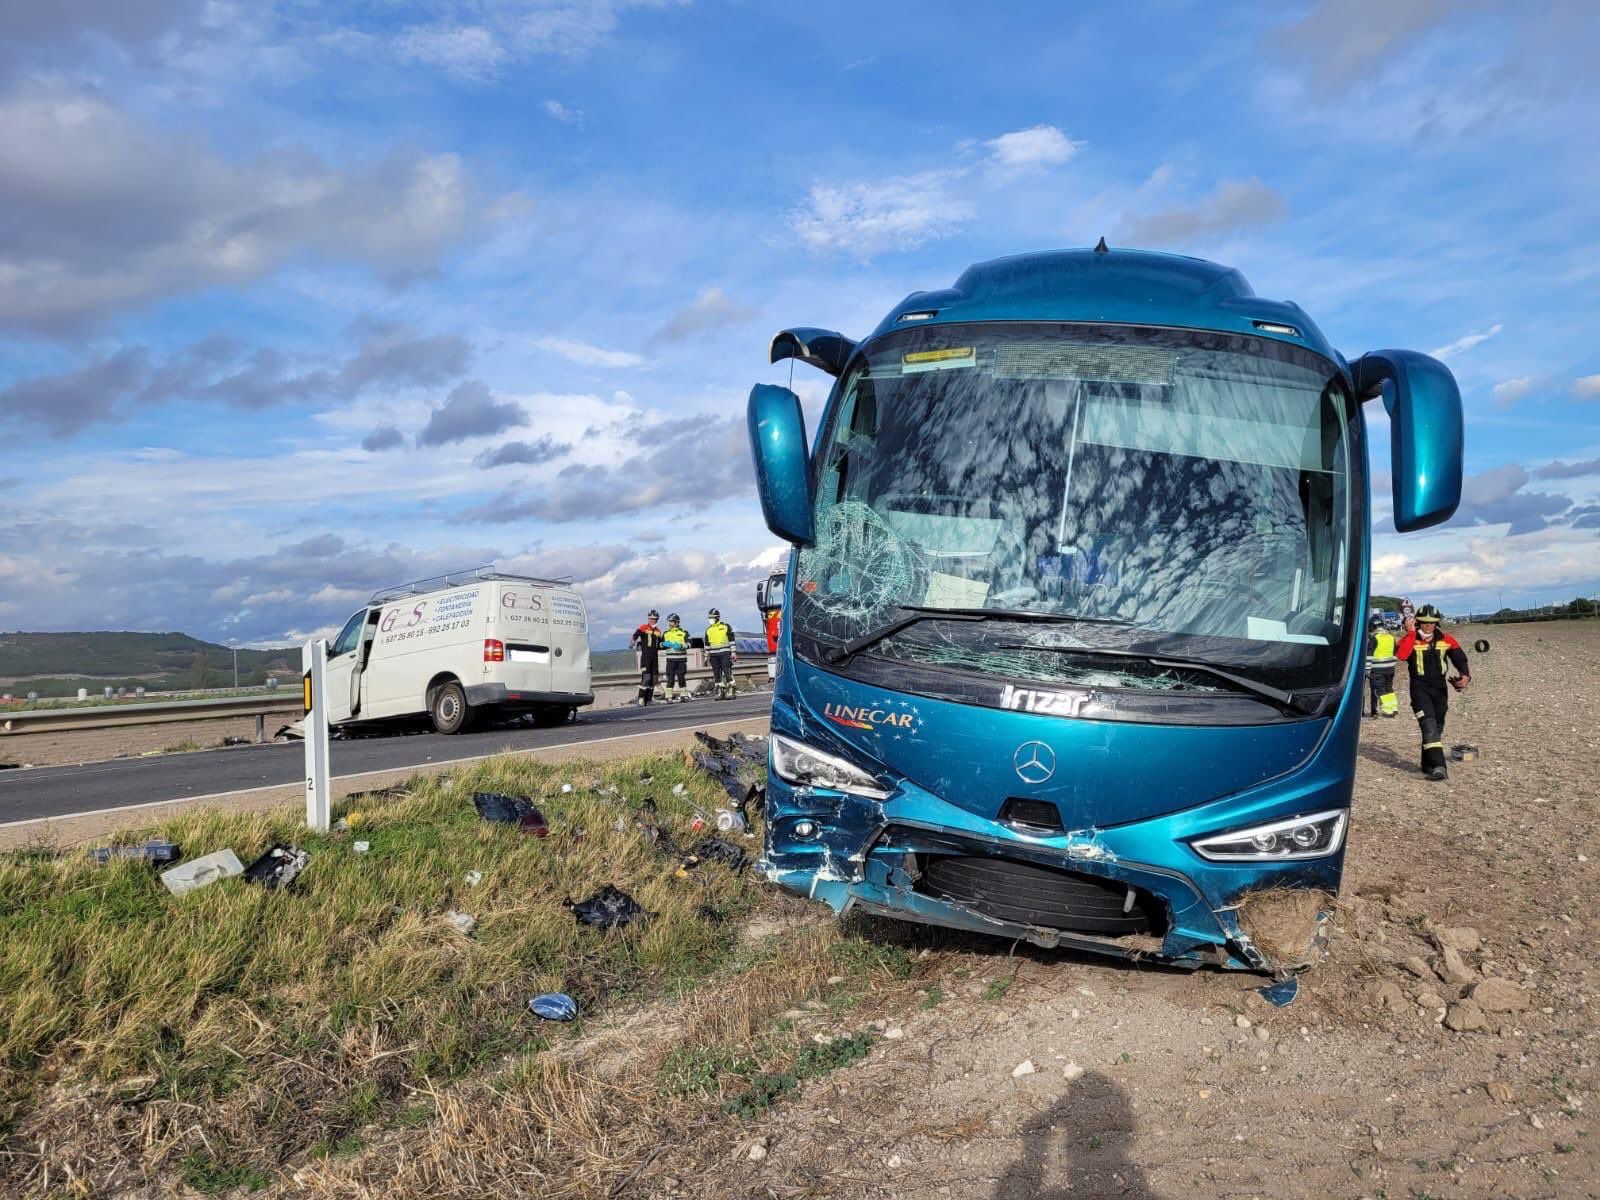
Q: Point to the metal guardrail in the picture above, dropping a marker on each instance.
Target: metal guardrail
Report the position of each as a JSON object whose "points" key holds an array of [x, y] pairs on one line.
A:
{"points": [[110, 716]]}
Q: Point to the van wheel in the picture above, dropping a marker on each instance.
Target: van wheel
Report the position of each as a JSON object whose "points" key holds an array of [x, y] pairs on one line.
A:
{"points": [[449, 708]]}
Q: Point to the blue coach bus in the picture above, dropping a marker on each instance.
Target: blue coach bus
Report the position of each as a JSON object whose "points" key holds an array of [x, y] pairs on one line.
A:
{"points": [[1074, 634]]}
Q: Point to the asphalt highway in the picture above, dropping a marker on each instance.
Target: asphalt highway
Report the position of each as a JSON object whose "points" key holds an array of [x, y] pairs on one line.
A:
{"points": [[127, 782]]}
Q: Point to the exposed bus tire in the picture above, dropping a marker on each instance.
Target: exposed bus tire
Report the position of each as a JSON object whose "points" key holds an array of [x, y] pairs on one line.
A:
{"points": [[448, 708]]}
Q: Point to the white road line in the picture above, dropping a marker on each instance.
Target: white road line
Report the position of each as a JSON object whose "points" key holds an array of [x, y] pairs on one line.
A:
{"points": [[446, 762]]}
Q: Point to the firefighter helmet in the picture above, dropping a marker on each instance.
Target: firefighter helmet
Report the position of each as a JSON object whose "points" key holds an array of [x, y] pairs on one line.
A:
{"points": [[1428, 612]]}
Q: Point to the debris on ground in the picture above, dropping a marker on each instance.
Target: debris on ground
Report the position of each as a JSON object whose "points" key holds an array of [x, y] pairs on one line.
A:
{"points": [[201, 872], [608, 908], [156, 851], [717, 850], [731, 822], [278, 867], [554, 1006], [361, 847], [1463, 752], [1280, 994], [511, 810], [473, 878], [462, 923], [735, 762]]}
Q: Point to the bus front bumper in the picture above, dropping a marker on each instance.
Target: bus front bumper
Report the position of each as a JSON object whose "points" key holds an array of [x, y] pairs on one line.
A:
{"points": [[855, 853]]}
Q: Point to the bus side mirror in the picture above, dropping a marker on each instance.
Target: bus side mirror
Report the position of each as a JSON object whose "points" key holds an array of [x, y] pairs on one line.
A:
{"points": [[783, 476], [1425, 432]]}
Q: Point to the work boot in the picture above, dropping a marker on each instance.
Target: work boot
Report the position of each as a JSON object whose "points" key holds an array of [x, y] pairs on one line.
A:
{"points": [[1439, 774], [1391, 714]]}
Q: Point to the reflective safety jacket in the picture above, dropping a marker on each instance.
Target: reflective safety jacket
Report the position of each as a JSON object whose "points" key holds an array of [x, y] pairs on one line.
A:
{"points": [[719, 636], [1380, 649], [647, 641], [1426, 660], [675, 642]]}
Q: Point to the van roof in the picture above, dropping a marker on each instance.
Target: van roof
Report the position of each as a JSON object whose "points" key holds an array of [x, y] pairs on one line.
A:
{"points": [[439, 583]]}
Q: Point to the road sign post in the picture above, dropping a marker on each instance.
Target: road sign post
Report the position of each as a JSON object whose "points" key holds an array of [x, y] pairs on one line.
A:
{"points": [[314, 663]]}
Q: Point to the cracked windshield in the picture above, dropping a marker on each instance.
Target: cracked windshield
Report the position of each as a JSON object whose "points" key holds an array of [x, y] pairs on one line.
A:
{"points": [[1123, 494]]}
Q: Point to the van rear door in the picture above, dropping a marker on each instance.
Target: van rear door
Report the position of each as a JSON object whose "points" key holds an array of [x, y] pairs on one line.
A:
{"points": [[569, 639], [520, 622]]}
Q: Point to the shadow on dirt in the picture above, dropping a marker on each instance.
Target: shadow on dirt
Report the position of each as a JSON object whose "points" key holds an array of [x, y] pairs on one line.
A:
{"points": [[1080, 1146], [1386, 757]]}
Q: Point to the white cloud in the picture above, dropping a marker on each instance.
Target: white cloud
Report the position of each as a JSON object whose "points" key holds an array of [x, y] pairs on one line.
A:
{"points": [[564, 113], [1032, 149], [103, 214], [586, 355], [1232, 205], [1466, 342], [1587, 388], [465, 51], [1508, 391], [894, 213], [709, 311]]}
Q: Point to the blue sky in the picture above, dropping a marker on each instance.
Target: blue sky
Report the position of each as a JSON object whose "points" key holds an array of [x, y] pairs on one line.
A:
{"points": [[298, 301]]}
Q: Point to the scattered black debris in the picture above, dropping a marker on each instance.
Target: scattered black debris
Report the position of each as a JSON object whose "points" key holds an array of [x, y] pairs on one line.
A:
{"points": [[278, 867], [155, 851], [1464, 752], [717, 850], [735, 762], [554, 1006], [710, 914], [235, 740], [511, 810], [607, 909]]}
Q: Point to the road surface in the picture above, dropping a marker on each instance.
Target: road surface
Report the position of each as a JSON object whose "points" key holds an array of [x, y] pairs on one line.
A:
{"points": [[54, 792]]}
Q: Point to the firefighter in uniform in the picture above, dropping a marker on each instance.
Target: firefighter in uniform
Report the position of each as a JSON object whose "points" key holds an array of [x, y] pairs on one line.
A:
{"points": [[1427, 651], [647, 641], [719, 648], [675, 647], [1380, 669]]}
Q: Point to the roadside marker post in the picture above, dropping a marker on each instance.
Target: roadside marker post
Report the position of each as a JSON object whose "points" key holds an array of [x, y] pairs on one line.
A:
{"points": [[314, 681]]}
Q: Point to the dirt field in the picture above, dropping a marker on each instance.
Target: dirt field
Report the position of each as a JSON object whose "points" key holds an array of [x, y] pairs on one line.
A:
{"points": [[1153, 1083]]}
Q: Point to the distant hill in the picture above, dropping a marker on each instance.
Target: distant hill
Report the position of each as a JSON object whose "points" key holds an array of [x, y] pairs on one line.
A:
{"points": [[58, 664]]}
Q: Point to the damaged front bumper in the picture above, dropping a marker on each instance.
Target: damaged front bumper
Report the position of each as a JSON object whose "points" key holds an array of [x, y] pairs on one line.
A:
{"points": [[882, 857]]}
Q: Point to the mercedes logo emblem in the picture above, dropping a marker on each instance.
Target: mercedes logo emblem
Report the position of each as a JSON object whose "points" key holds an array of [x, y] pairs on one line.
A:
{"points": [[1035, 762]]}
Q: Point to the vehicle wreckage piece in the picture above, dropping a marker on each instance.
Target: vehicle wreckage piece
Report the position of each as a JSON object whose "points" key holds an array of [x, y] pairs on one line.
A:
{"points": [[278, 867], [609, 908], [156, 851], [736, 763], [201, 872]]}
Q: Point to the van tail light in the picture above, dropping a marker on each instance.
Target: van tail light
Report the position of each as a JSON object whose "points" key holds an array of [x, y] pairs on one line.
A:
{"points": [[494, 650]]}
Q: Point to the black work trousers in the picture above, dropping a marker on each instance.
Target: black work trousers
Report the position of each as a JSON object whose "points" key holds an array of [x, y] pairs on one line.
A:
{"points": [[1430, 704], [677, 672], [722, 666], [647, 679]]}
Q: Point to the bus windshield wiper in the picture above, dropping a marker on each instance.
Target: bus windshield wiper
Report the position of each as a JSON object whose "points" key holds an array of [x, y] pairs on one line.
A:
{"points": [[1266, 691], [912, 614]]}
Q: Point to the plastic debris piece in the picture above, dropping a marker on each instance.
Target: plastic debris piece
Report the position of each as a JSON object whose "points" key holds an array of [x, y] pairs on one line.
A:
{"points": [[1282, 993], [566, 788], [1464, 752], [607, 909], [462, 923], [156, 851], [719, 851], [678, 789], [278, 867], [730, 822], [554, 1006], [361, 847], [200, 872], [735, 762], [473, 878], [511, 810]]}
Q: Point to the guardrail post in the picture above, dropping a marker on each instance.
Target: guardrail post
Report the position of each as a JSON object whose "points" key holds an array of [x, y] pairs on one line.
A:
{"points": [[261, 728], [314, 662]]}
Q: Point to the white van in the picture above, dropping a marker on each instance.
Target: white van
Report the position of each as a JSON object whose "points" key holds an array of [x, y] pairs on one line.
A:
{"points": [[459, 645]]}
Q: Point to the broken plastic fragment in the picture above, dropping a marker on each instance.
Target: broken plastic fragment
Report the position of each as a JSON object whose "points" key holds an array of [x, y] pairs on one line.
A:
{"points": [[1281, 993], [607, 909], [361, 847], [718, 850], [154, 851], [278, 867], [511, 810], [200, 872], [462, 923], [554, 1006], [473, 878], [730, 822]]}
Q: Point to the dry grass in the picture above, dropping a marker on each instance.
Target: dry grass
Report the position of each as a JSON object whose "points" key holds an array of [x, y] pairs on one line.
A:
{"points": [[256, 1027], [341, 1039], [1283, 923]]}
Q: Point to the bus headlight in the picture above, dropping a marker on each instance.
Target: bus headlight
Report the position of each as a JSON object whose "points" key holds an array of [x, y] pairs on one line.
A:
{"points": [[1314, 836], [799, 764]]}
